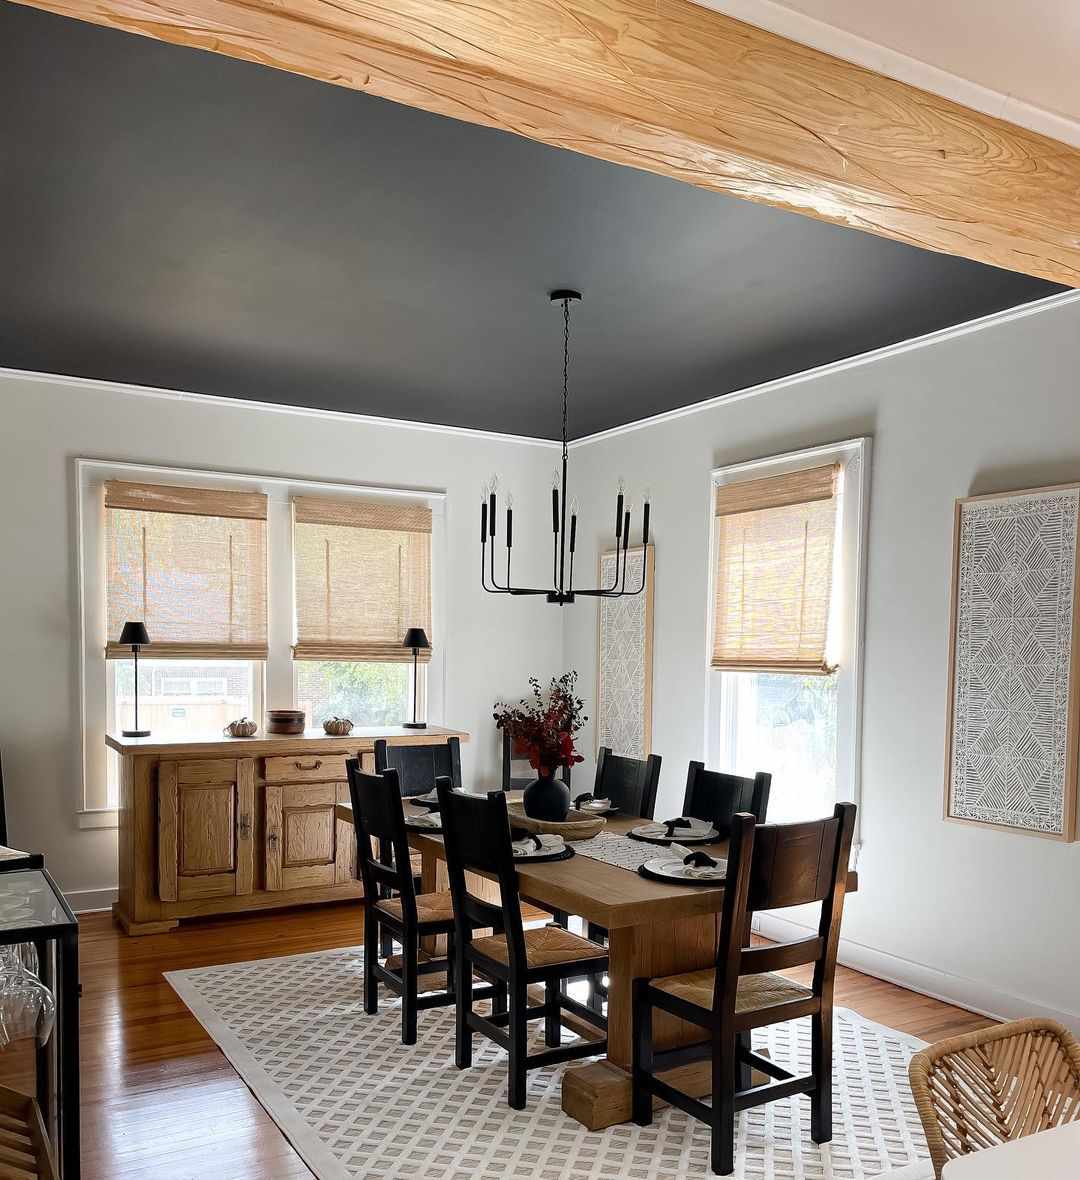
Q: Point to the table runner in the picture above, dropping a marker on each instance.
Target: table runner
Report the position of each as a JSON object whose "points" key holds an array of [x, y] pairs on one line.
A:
{"points": [[618, 850]]}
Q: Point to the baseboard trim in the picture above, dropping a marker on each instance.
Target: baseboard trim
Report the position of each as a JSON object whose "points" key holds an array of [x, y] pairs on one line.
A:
{"points": [[970, 994], [91, 901]]}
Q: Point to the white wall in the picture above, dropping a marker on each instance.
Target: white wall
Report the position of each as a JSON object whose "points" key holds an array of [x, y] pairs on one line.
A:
{"points": [[493, 646], [940, 905]]}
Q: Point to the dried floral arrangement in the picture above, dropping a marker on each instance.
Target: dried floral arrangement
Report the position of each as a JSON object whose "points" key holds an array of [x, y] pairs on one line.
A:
{"points": [[543, 726]]}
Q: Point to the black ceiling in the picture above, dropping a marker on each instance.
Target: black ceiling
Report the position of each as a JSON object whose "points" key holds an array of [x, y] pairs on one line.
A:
{"points": [[176, 218]]}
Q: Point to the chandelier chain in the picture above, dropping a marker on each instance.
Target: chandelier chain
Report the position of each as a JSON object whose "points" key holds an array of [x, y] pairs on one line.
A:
{"points": [[565, 369]]}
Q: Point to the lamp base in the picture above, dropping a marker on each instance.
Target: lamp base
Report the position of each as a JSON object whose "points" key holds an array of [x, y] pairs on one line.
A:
{"points": [[135, 733], [414, 725]]}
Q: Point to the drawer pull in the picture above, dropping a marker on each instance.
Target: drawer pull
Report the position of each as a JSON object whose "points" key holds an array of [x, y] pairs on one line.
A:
{"points": [[311, 766]]}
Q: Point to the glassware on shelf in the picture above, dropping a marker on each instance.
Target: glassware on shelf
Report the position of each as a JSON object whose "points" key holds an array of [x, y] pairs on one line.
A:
{"points": [[27, 1007]]}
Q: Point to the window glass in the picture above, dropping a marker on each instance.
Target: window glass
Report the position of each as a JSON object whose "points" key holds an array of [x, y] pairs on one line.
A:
{"points": [[367, 693], [783, 723]]}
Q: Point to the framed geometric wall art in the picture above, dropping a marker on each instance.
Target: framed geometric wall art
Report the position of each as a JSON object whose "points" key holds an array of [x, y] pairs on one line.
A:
{"points": [[1014, 696], [624, 659]]}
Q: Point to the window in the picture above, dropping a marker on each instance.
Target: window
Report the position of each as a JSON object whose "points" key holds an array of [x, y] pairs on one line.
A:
{"points": [[255, 591], [785, 629]]}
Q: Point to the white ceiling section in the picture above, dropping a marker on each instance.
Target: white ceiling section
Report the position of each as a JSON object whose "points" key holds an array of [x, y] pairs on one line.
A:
{"points": [[1014, 59]]}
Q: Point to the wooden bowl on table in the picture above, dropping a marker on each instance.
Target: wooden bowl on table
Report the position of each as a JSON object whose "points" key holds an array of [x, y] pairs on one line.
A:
{"points": [[578, 825]]}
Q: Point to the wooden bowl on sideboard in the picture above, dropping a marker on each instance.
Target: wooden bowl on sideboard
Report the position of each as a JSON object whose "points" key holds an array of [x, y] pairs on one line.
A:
{"points": [[285, 721]]}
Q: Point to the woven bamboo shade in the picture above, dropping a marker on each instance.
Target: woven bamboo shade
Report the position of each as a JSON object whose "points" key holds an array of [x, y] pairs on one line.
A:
{"points": [[190, 563], [995, 1085], [363, 578], [774, 572]]}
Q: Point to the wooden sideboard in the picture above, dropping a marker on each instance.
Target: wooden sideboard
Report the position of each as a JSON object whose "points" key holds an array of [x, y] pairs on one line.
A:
{"points": [[224, 825]]}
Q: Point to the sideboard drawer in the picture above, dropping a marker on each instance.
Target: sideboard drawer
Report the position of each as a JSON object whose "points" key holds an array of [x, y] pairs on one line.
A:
{"points": [[305, 768]]}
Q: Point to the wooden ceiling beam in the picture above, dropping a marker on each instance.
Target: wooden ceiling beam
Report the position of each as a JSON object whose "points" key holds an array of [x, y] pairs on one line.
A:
{"points": [[675, 89]]}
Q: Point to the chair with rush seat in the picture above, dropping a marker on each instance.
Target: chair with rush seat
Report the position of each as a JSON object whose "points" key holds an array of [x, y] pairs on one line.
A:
{"points": [[716, 796], [391, 904], [770, 866], [511, 753], [419, 766], [476, 833]]}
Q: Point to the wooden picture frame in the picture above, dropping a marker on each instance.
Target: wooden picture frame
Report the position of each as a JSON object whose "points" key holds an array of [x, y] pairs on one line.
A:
{"points": [[624, 662], [1013, 714]]}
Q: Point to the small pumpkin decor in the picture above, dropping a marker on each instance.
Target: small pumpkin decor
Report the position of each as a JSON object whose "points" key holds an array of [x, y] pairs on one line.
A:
{"points": [[544, 727], [337, 726], [241, 727]]}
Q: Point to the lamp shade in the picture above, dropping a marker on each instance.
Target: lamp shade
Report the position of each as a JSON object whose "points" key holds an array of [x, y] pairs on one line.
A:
{"points": [[416, 639], [134, 635]]}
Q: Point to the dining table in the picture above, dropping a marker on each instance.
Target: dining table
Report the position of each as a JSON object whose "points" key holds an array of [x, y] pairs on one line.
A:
{"points": [[654, 929]]}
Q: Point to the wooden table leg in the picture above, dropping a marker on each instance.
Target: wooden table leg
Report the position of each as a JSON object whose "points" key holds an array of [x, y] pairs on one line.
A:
{"points": [[598, 1094]]}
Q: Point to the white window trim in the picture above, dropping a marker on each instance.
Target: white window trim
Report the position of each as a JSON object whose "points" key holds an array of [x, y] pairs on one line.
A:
{"points": [[90, 474], [853, 455]]}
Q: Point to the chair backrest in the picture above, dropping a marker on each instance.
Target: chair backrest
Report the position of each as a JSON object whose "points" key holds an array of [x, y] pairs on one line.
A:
{"points": [[995, 1085], [419, 766], [476, 836], [715, 796], [378, 816], [772, 867], [630, 783], [511, 753]]}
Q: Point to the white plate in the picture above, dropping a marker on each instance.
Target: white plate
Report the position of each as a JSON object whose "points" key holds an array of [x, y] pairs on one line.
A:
{"points": [[655, 832], [675, 870]]}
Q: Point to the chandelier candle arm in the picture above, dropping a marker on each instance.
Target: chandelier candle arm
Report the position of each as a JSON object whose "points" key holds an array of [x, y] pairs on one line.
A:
{"points": [[562, 590]]}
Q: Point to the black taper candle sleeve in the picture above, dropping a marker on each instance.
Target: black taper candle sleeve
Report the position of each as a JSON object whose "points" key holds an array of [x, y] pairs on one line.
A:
{"points": [[554, 510], [491, 513], [645, 525], [626, 529], [509, 527], [483, 522], [618, 517], [573, 532]]}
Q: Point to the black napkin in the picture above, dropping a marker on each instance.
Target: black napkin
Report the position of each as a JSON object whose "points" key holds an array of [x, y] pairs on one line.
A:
{"points": [[700, 860], [426, 804], [518, 834], [586, 798], [672, 824]]}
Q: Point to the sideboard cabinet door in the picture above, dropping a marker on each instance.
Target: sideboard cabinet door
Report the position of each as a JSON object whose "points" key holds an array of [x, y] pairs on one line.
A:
{"points": [[206, 812], [306, 845]]}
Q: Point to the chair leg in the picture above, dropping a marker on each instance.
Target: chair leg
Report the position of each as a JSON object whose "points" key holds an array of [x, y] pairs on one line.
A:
{"points": [[409, 981], [643, 1055], [519, 1026], [821, 1065], [561, 918], [723, 1104], [463, 980], [371, 954], [500, 1000], [451, 966], [744, 1074], [552, 1021]]}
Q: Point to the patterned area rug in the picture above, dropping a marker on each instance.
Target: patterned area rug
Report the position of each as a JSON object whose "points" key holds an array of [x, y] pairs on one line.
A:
{"points": [[354, 1101]]}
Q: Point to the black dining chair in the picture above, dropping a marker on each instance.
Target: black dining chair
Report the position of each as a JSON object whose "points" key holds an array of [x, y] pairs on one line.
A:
{"points": [[715, 796], [630, 783], [419, 766], [476, 835], [511, 754], [769, 866], [393, 910]]}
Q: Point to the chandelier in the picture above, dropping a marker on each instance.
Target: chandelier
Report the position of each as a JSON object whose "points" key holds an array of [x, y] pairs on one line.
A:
{"points": [[562, 590]]}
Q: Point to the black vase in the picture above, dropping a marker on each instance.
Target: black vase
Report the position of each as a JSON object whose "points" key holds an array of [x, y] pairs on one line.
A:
{"points": [[548, 798]]}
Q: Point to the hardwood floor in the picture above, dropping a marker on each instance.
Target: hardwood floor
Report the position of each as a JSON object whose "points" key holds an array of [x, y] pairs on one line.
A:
{"points": [[160, 1100]]}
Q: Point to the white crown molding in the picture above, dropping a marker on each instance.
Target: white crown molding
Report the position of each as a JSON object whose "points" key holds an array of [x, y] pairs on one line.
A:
{"points": [[233, 403], [808, 30], [941, 336]]}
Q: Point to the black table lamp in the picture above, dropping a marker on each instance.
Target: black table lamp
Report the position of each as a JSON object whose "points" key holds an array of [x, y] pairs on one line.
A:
{"points": [[416, 639], [134, 636]]}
